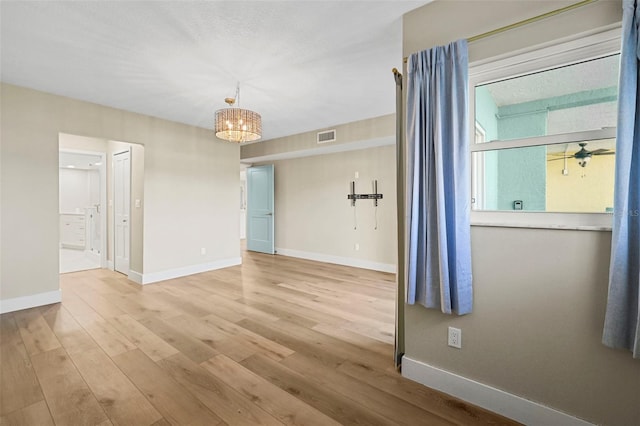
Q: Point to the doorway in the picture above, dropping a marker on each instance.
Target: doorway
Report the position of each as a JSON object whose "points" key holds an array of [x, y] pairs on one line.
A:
{"points": [[82, 189], [260, 209], [132, 248]]}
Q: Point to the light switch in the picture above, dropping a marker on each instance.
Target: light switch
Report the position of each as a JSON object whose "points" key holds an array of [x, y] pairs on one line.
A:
{"points": [[137, 203]]}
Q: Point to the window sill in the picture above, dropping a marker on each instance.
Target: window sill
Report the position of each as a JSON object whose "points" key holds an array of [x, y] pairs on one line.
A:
{"points": [[543, 220]]}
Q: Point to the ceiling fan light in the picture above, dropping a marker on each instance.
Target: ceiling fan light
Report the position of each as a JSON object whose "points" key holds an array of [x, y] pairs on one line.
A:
{"points": [[583, 161]]}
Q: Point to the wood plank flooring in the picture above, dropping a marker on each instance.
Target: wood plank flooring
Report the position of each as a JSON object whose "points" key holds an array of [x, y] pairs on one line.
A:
{"points": [[276, 341]]}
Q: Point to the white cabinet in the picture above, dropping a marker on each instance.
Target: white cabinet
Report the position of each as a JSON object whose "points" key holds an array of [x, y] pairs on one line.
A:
{"points": [[72, 231]]}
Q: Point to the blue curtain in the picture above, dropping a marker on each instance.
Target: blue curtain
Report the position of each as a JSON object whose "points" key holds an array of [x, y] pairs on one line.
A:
{"points": [[438, 173], [622, 320]]}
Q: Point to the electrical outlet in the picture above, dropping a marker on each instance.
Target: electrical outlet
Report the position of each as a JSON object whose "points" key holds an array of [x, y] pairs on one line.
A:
{"points": [[455, 337], [203, 251], [356, 175], [356, 247]]}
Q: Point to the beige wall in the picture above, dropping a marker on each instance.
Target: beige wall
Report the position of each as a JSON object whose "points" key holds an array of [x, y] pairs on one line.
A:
{"points": [[190, 187], [357, 132], [444, 21], [536, 325], [136, 258], [539, 294], [82, 143], [312, 213], [194, 201]]}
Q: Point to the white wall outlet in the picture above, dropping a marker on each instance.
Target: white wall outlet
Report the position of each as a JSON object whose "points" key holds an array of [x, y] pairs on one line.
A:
{"points": [[137, 204], [356, 246], [356, 175], [203, 250], [455, 337]]}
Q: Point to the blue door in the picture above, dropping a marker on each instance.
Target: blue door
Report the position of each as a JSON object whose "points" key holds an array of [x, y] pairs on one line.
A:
{"points": [[260, 209]]}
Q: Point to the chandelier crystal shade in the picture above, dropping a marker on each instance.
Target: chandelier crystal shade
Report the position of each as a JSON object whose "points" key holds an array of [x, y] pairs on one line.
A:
{"points": [[237, 124]]}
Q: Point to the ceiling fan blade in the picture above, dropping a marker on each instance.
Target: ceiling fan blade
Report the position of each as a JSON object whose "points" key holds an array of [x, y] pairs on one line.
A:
{"points": [[599, 151], [604, 153], [556, 159], [561, 154]]}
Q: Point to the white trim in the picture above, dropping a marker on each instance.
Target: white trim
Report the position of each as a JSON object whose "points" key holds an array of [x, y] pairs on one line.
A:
{"points": [[577, 48], [478, 189], [338, 260], [488, 397], [134, 276], [26, 302], [104, 211], [182, 272], [543, 220], [557, 139]]}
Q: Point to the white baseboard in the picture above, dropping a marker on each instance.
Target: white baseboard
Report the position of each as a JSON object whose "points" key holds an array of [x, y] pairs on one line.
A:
{"points": [[346, 261], [134, 276], [154, 277], [496, 400], [26, 302]]}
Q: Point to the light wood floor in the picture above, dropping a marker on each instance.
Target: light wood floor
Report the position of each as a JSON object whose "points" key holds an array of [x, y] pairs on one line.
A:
{"points": [[275, 341]]}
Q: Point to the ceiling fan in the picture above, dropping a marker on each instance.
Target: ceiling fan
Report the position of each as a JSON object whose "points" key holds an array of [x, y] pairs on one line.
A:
{"points": [[584, 156]]}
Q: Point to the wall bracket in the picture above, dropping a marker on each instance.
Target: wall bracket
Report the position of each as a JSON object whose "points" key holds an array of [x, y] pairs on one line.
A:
{"points": [[375, 196]]}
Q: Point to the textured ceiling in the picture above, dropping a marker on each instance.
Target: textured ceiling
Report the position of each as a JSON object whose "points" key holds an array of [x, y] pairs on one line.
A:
{"points": [[303, 65], [590, 75]]}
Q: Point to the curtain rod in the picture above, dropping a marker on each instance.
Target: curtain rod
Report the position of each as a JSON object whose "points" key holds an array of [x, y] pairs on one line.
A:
{"points": [[526, 22]]}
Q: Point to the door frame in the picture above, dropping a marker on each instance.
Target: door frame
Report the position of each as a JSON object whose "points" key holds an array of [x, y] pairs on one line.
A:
{"points": [[113, 185], [103, 198]]}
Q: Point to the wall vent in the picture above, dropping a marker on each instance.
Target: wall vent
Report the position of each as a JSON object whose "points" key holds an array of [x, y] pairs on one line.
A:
{"points": [[327, 136]]}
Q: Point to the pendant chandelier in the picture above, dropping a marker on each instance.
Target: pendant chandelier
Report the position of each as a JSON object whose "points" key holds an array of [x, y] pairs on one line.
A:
{"points": [[238, 125]]}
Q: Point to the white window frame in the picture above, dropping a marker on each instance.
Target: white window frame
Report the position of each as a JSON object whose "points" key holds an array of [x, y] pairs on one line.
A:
{"points": [[478, 189], [540, 58]]}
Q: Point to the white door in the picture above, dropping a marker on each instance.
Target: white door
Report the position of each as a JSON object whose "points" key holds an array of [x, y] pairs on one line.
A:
{"points": [[121, 208]]}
